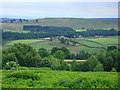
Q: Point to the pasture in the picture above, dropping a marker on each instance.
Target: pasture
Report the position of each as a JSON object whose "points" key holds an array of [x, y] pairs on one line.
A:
{"points": [[80, 30], [26, 41], [58, 79], [89, 43], [17, 31], [106, 40]]}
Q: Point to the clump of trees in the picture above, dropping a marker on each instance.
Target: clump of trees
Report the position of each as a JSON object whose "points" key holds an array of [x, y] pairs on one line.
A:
{"points": [[22, 54], [102, 61], [25, 55]]}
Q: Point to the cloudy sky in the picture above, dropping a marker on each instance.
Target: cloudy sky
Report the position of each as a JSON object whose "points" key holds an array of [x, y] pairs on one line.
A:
{"points": [[60, 9]]}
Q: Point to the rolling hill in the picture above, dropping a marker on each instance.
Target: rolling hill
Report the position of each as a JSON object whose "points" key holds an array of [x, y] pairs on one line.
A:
{"points": [[75, 23]]}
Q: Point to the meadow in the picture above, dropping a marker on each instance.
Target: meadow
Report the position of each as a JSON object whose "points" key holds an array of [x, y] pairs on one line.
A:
{"points": [[106, 40], [80, 30], [26, 41], [17, 31], [58, 79], [75, 23], [90, 45]]}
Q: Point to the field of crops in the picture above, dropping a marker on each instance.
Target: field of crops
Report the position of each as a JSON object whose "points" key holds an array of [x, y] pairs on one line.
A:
{"points": [[26, 41], [58, 79]]}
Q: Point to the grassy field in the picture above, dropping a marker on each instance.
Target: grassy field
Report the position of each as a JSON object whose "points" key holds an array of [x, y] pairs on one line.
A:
{"points": [[94, 45], [89, 43], [75, 23], [17, 31], [26, 41], [80, 30], [106, 40], [58, 79]]}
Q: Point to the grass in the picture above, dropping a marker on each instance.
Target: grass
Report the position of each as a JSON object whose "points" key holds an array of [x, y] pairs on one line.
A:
{"points": [[89, 43], [35, 43], [80, 30], [17, 31], [77, 49], [49, 45], [26, 41], [106, 40], [75, 23], [58, 79], [44, 44]]}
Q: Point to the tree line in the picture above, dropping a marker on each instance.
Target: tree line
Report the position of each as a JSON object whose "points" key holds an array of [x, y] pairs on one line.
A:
{"points": [[35, 28], [25, 55], [69, 34]]}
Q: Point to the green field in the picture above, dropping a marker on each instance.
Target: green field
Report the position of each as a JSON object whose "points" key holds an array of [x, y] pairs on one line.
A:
{"points": [[89, 43], [80, 30], [75, 23], [95, 43], [44, 44], [17, 31], [58, 79], [107, 40], [26, 41]]}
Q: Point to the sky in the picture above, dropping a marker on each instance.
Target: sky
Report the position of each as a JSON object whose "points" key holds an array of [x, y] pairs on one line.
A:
{"points": [[33, 10]]}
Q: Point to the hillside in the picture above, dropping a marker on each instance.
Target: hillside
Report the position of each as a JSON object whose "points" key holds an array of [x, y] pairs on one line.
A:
{"points": [[75, 23]]}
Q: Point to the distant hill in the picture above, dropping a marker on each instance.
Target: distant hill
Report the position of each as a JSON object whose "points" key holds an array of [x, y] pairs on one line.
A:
{"points": [[75, 23]]}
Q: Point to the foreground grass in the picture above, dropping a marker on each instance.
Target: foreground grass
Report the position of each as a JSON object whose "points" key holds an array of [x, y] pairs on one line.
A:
{"points": [[59, 79]]}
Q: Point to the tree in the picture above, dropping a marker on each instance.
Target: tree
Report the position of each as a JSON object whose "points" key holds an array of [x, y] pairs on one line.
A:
{"points": [[66, 52], [98, 67], [108, 64], [43, 52], [36, 20], [74, 66], [20, 20], [113, 70], [59, 54], [11, 66], [82, 55], [92, 62], [111, 48], [24, 54], [62, 40], [9, 57], [68, 67], [54, 49]]}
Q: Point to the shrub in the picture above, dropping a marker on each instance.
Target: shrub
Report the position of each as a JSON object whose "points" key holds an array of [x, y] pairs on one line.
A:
{"points": [[11, 66], [99, 67], [113, 70], [24, 75]]}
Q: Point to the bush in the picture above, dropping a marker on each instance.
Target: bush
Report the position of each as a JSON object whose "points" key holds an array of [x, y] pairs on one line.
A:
{"points": [[113, 70], [11, 66], [23, 75], [99, 67]]}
